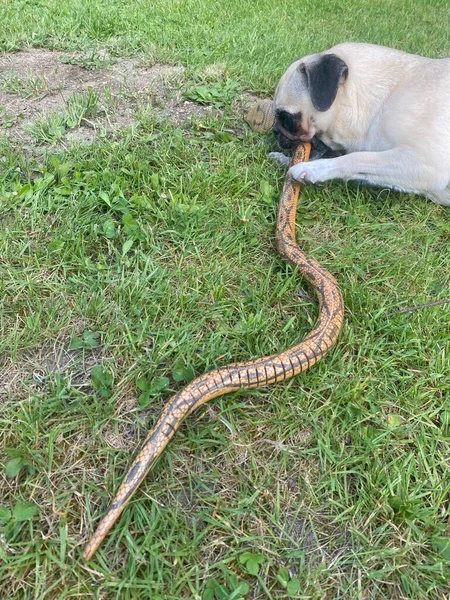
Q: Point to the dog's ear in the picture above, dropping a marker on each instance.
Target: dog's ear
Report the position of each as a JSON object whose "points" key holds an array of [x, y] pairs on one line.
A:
{"points": [[323, 77]]}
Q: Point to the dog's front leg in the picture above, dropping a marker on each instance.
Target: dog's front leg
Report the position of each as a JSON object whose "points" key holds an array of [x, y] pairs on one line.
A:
{"points": [[318, 149], [399, 168], [280, 158]]}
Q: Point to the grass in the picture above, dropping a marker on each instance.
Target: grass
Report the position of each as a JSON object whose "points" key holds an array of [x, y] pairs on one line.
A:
{"points": [[50, 129], [129, 264], [6, 119], [89, 60], [27, 87], [255, 40]]}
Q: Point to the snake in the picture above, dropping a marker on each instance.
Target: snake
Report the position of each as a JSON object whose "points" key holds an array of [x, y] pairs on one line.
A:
{"points": [[244, 375]]}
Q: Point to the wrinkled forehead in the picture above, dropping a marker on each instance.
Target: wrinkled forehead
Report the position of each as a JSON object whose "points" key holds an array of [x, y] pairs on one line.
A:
{"points": [[290, 89]]}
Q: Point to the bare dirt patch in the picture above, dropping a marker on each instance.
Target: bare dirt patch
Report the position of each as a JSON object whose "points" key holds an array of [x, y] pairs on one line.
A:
{"points": [[38, 83], [31, 369]]}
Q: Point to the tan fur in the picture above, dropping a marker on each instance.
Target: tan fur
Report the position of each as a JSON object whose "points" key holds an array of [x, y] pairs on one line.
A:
{"points": [[391, 117]]}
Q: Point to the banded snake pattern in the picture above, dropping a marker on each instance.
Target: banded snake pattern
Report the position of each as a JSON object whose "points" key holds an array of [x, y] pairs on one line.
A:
{"points": [[255, 373]]}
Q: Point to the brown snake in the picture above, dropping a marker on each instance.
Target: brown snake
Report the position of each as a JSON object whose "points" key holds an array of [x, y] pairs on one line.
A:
{"points": [[255, 373]]}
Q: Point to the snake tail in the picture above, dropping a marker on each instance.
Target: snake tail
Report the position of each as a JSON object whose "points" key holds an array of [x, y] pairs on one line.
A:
{"points": [[255, 373]]}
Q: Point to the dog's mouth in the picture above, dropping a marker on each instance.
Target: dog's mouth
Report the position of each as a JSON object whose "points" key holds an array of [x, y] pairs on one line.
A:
{"points": [[288, 140], [318, 148], [285, 138]]}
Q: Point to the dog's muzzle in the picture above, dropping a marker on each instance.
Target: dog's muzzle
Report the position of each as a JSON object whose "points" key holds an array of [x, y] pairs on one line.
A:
{"points": [[286, 140]]}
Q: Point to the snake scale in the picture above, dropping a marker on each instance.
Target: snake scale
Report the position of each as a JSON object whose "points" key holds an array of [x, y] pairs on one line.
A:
{"points": [[255, 373]]}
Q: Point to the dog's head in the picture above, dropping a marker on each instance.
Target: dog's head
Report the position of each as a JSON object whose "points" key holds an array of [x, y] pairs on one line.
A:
{"points": [[306, 91]]}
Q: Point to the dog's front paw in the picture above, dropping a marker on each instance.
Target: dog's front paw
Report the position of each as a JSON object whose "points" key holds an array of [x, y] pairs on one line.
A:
{"points": [[314, 172], [280, 158]]}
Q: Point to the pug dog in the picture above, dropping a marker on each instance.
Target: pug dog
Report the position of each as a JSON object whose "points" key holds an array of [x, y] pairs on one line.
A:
{"points": [[385, 113]]}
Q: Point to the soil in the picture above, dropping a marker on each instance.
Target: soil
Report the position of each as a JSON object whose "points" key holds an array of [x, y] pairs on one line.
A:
{"points": [[123, 86]]}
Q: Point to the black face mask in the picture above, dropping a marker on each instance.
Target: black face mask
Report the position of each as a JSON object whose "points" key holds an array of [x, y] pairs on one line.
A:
{"points": [[287, 129]]}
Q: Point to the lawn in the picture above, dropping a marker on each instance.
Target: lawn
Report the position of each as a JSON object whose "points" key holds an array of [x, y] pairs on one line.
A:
{"points": [[132, 262]]}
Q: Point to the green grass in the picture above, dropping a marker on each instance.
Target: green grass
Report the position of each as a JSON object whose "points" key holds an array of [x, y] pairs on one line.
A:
{"points": [[50, 129], [151, 256], [255, 39], [27, 87], [90, 60]]}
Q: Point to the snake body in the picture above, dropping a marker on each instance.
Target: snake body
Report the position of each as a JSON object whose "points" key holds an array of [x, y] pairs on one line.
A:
{"points": [[255, 373]]}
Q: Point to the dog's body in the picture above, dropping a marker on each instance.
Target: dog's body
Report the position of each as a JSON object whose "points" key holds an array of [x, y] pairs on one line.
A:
{"points": [[388, 111]]}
